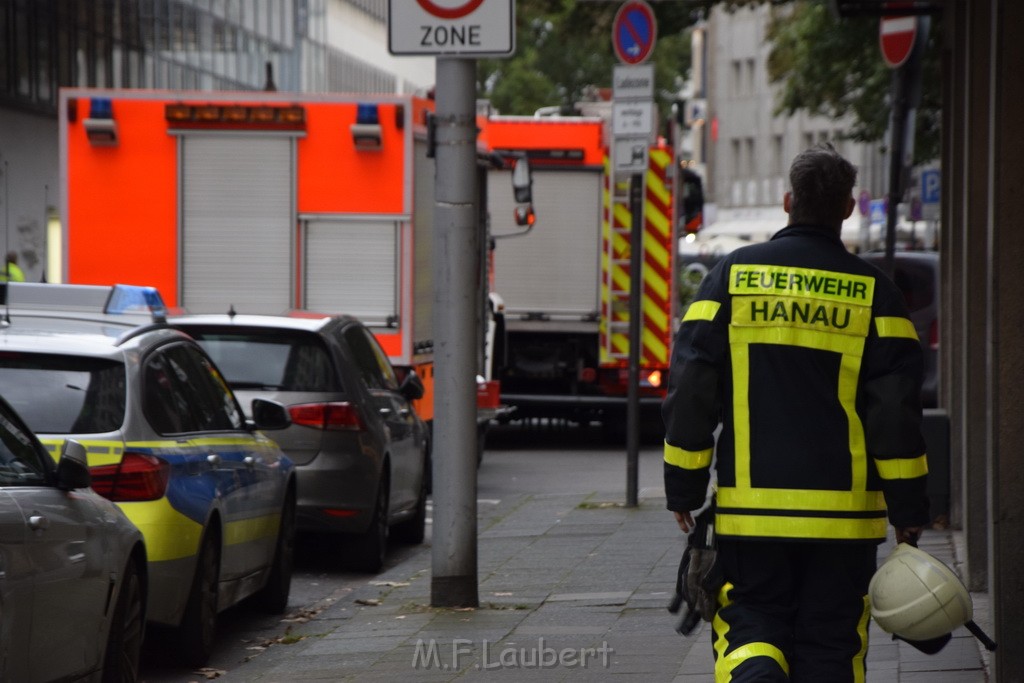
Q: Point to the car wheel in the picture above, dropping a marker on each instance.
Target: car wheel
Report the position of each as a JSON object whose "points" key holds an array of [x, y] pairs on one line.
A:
{"points": [[273, 597], [127, 627], [369, 548], [413, 530], [199, 625]]}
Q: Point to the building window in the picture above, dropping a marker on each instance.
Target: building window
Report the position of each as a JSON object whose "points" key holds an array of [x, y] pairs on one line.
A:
{"points": [[737, 158], [778, 152]]}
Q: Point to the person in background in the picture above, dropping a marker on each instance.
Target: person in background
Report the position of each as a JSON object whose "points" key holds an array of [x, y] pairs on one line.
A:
{"points": [[806, 356], [12, 272]]}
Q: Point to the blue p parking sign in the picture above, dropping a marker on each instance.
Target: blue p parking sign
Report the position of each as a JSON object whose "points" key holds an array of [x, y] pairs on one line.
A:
{"points": [[931, 186]]}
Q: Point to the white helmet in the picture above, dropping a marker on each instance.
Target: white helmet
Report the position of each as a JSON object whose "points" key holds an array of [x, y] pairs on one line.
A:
{"points": [[916, 597]]}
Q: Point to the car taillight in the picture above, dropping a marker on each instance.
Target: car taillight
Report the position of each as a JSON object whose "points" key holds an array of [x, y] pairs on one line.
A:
{"points": [[342, 416], [137, 477], [933, 335]]}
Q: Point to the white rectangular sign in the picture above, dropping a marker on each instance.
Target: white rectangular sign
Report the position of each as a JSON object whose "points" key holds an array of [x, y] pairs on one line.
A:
{"points": [[633, 119], [630, 155], [633, 82], [451, 27]]}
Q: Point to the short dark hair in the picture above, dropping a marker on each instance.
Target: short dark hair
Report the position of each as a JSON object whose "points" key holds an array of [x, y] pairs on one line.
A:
{"points": [[821, 181]]}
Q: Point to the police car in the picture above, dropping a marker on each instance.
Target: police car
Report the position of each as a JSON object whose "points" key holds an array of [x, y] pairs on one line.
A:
{"points": [[166, 440]]}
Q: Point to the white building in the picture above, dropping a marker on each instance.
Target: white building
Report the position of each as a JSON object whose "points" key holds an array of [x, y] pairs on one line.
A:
{"points": [[748, 148]]}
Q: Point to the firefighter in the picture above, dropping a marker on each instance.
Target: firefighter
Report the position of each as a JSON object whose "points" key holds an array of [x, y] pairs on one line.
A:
{"points": [[806, 356], [12, 272]]}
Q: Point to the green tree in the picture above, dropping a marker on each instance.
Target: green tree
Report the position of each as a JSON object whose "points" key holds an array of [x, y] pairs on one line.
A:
{"points": [[564, 52], [833, 67]]}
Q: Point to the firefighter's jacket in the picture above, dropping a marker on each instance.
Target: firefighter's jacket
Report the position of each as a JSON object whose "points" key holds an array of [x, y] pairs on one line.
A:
{"points": [[806, 355]]}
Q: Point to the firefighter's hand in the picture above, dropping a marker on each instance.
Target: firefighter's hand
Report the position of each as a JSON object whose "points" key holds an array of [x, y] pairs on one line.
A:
{"points": [[908, 534], [684, 520]]}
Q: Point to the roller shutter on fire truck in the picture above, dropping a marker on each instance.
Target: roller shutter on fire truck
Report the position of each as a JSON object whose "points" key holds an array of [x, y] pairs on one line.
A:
{"points": [[237, 208], [555, 270], [352, 266]]}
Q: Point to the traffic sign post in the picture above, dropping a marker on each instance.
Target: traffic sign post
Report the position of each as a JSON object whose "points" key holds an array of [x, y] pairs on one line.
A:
{"points": [[456, 32], [634, 32]]}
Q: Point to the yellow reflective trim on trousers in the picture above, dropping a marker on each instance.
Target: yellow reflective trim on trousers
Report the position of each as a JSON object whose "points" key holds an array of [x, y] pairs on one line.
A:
{"points": [[800, 499], [702, 310], [902, 468], [725, 666], [251, 529], [862, 633], [827, 285], [688, 460], [852, 350], [725, 663], [800, 527], [895, 327]]}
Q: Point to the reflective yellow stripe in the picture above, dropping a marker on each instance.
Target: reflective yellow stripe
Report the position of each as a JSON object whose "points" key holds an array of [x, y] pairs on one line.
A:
{"points": [[895, 327], [725, 663], [251, 529], [800, 499], [788, 311], [800, 527], [688, 460], [902, 468], [702, 310], [862, 633], [724, 666], [169, 534], [849, 374], [810, 339], [739, 351], [827, 285]]}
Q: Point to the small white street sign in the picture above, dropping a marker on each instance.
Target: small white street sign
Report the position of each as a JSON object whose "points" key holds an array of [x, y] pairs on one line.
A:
{"points": [[630, 155], [635, 119], [633, 82], [470, 28]]}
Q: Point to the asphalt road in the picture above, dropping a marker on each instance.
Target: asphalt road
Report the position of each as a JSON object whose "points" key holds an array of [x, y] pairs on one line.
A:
{"points": [[519, 459]]}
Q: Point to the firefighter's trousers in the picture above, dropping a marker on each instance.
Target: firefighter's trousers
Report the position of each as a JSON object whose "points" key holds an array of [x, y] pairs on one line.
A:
{"points": [[792, 611]]}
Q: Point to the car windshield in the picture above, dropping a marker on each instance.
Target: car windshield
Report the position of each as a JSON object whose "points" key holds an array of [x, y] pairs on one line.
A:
{"points": [[56, 394], [255, 358]]}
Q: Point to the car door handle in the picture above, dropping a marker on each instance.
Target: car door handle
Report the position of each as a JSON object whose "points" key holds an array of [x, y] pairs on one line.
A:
{"points": [[38, 523], [213, 459], [386, 412], [249, 461]]}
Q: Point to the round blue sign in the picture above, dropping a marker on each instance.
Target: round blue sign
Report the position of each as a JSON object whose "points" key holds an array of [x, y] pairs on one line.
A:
{"points": [[634, 32]]}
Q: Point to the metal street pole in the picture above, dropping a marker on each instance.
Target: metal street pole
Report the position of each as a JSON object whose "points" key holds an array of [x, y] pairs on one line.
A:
{"points": [[454, 551], [636, 261]]}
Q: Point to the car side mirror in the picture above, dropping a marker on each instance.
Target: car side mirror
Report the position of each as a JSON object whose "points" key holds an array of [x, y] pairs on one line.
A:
{"points": [[73, 467], [522, 180], [269, 415], [412, 386]]}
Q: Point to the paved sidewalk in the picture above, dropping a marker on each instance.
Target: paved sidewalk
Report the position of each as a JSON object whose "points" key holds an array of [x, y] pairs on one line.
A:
{"points": [[571, 587]]}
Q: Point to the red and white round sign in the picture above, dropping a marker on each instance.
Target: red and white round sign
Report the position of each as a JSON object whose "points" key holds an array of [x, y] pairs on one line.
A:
{"points": [[450, 10], [896, 38]]}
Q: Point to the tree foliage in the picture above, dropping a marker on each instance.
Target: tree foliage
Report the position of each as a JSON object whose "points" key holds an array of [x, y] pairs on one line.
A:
{"points": [[564, 52], [833, 67]]}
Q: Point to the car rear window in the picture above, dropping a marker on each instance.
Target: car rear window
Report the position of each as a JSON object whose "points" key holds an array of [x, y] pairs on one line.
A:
{"points": [[256, 358], [57, 394]]}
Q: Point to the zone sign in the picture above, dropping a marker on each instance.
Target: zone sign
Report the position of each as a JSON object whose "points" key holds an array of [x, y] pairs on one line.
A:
{"points": [[468, 28]]}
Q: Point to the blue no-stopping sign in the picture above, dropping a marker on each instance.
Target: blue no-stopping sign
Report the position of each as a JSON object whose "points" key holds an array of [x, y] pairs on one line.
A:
{"points": [[634, 32]]}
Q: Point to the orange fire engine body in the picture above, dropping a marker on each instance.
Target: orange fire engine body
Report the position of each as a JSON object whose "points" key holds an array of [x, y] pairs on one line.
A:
{"points": [[262, 202], [566, 284]]}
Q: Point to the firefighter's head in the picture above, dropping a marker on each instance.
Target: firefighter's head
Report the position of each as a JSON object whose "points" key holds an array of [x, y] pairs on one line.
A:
{"points": [[821, 188]]}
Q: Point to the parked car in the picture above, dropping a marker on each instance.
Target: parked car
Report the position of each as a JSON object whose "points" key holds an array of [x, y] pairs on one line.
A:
{"points": [[916, 273], [72, 567], [166, 440], [361, 452]]}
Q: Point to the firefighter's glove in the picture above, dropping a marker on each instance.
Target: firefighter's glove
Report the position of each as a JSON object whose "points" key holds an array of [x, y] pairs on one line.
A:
{"points": [[703, 581]]}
